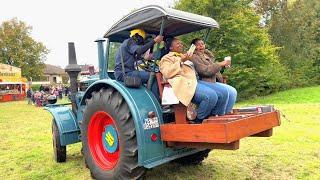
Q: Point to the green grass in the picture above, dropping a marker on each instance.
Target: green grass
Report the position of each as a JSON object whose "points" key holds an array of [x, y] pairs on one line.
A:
{"points": [[293, 152]]}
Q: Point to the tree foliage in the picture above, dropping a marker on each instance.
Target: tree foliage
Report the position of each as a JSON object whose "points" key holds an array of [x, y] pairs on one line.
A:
{"points": [[114, 46], [266, 8], [19, 49], [255, 65], [296, 30]]}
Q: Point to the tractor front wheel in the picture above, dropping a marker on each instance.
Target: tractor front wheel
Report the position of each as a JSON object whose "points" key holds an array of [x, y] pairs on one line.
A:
{"points": [[109, 137], [59, 152]]}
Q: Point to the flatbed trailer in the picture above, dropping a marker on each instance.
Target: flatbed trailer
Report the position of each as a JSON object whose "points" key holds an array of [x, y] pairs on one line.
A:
{"points": [[220, 132]]}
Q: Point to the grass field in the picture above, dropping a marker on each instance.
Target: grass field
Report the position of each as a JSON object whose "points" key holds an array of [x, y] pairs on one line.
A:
{"points": [[293, 152]]}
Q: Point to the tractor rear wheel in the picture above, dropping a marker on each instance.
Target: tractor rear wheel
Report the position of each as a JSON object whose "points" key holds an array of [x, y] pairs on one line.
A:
{"points": [[109, 137], [59, 152], [193, 159]]}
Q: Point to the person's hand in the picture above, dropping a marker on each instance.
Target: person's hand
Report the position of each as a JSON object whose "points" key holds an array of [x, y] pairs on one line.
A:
{"points": [[148, 56], [158, 39], [228, 63], [225, 63], [185, 57], [189, 54]]}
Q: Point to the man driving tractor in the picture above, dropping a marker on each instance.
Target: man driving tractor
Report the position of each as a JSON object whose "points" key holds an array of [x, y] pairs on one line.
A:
{"points": [[130, 51]]}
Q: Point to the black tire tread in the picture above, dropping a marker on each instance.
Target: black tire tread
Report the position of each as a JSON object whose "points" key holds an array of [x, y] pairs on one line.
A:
{"points": [[108, 99], [59, 152], [193, 159]]}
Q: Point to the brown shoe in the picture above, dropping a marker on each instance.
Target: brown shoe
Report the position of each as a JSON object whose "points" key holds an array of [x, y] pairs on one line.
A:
{"points": [[191, 112]]}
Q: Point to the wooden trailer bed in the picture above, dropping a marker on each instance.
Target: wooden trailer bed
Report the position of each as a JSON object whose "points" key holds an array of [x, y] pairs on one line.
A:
{"points": [[222, 132]]}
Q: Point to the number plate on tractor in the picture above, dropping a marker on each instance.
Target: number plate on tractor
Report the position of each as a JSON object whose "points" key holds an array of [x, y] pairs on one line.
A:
{"points": [[151, 123]]}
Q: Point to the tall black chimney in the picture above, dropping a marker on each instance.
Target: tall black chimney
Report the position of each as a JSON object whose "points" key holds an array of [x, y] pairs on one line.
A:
{"points": [[73, 70]]}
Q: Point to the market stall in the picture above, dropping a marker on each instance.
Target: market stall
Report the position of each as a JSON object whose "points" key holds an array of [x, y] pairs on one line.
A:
{"points": [[13, 87]]}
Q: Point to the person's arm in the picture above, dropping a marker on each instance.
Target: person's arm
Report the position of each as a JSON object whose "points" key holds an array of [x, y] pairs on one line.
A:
{"points": [[219, 77], [170, 68], [205, 70], [140, 49]]}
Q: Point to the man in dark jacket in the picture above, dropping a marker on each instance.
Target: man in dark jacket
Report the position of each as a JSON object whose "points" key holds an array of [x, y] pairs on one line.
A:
{"points": [[131, 50]]}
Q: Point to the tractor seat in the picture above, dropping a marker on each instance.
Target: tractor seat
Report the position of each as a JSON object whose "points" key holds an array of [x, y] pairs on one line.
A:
{"points": [[161, 83], [180, 111]]}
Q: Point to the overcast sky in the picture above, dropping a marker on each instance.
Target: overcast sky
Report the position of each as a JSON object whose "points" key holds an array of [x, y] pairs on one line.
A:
{"points": [[57, 22]]}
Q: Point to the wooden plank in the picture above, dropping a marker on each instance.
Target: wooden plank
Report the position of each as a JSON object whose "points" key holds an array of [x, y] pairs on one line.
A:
{"points": [[226, 118], [236, 111], [237, 115], [246, 113], [231, 116], [225, 146], [220, 132], [252, 125], [180, 112], [207, 121], [266, 133], [211, 133], [220, 118]]}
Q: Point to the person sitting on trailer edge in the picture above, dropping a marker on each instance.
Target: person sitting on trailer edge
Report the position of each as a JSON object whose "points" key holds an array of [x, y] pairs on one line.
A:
{"points": [[179, 72], [209, 71]]}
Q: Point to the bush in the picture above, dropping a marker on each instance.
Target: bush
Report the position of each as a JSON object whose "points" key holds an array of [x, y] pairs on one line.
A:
{"points": [[35, 87]]}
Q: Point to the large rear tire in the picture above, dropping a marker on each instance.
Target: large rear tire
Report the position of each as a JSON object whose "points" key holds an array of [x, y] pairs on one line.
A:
{"points": [[193, 159], [59, 152], [109, 137]]}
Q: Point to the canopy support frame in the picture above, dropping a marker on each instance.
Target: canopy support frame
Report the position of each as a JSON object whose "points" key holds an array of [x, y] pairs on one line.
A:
{"points": [[153, 74]]}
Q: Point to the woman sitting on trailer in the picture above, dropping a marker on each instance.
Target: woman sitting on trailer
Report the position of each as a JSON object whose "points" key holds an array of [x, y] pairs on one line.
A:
{"points": [[209, 71], [178, 70]]}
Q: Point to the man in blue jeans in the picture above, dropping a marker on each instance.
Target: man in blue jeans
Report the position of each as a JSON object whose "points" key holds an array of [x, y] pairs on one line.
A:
{"points": [[132, 50]]}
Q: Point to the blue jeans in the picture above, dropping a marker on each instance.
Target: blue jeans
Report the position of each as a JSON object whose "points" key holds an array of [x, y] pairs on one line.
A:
{"points": [[144, 75], [227, 97], [206, 99]]}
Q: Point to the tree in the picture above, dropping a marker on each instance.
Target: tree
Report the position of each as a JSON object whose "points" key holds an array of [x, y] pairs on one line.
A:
{"points": [[19, 49], [266, 8], [114, 46], [296, 30], [255, 69]]}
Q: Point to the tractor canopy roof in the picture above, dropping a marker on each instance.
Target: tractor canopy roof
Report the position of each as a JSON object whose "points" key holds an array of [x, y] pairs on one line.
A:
{"points": [[150, 18]]}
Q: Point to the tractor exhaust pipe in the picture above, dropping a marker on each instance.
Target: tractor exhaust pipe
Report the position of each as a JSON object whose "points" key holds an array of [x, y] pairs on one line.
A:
{"points": [[73, 70]]}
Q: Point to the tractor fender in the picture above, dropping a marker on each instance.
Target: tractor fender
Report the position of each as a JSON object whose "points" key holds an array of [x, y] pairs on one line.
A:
{"points": [[141, 101], [66, 122]]}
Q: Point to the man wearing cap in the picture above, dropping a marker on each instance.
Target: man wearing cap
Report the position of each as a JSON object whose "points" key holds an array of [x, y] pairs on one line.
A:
{"points": [[132, 50]]}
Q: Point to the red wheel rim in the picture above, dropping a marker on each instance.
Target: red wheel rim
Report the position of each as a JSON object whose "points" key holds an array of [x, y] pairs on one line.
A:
{"points": [[96, 130]]}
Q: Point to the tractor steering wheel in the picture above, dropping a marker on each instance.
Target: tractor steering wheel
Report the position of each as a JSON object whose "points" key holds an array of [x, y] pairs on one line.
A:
{"points": [[148, 65], [152, 65]]}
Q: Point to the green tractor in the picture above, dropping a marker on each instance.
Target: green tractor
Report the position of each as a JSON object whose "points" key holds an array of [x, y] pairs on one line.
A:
{"points": [[124, 131]]}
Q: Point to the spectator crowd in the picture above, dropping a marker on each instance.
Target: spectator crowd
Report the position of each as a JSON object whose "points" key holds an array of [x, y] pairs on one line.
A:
{"points": [[40, 97]]}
